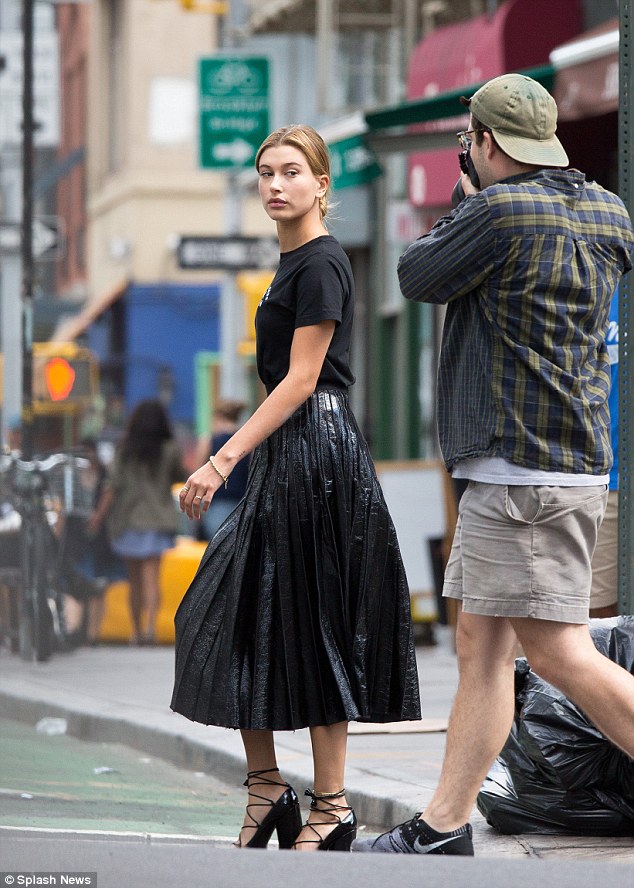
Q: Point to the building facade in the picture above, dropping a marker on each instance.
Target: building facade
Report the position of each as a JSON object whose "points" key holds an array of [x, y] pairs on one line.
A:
{"points": [[436, 46], [73, 25]]}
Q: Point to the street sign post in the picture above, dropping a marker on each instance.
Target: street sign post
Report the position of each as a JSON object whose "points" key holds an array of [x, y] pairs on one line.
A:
{"points": [[233, 110], [232, 253]]}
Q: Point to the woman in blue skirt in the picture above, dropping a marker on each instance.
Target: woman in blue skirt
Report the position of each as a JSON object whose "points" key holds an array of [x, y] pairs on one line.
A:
{"points": [[299, 613], [142, 516]]}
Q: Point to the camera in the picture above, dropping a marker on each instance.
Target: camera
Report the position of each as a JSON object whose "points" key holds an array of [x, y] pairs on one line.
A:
{"points": [[466, 166]]}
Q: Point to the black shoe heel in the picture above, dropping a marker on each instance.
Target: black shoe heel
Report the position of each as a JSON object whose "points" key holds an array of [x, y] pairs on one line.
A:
{"points": [[283, 815], [342, 836], [289, 825], [261, 837]]}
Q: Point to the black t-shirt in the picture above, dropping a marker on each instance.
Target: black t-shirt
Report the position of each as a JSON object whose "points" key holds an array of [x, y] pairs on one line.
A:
{"points": [[312, 284]]}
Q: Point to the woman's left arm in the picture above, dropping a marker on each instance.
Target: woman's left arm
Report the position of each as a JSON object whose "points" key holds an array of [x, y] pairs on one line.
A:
{"points": [[308, 352]]}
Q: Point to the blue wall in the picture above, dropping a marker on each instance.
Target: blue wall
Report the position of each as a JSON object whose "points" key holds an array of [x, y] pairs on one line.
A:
{"points": [[166, 325]]}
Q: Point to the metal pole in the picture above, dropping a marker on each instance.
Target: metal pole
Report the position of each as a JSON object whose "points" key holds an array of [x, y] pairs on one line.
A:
{"points": [[325, 38], [410, 30], [27, 230], [232, 383], [626, 355], [10, 268], [232, 380]]}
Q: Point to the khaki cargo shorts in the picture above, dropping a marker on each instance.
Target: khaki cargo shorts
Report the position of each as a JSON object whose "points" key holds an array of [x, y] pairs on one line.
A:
{"points": [[522, 551], [605, 563]]}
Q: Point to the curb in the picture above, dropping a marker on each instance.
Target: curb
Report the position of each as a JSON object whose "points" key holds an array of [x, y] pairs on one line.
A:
{"points": [[184, 752], [91, 835]]}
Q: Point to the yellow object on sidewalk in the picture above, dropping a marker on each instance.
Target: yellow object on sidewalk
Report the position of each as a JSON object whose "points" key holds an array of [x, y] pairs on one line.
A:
{"points": [[178, 566]]}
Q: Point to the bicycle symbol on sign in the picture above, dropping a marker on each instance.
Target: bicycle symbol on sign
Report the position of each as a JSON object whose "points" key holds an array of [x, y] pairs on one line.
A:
{"points": [[235, 77]]}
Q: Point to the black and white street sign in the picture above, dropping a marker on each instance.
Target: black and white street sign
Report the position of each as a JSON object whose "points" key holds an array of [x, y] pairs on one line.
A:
{"points": [[48, 239], [46, 88], [228, 253]]}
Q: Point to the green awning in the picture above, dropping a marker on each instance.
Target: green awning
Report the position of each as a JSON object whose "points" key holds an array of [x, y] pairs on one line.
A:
{"points": [[352, 162], [444, 105]]}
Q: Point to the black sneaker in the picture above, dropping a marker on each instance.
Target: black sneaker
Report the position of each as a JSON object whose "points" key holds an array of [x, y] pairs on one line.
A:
{"points": [[416, 837]]}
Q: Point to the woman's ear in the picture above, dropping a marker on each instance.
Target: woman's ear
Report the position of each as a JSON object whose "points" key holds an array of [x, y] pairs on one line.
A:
{"points": [[323, 181]]}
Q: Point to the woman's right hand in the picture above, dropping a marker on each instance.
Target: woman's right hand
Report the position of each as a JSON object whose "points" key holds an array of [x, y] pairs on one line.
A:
{"points": [[197, 493]]}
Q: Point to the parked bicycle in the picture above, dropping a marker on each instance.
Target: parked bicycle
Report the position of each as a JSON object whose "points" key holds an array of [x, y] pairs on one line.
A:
{"points": [[40, 492]]}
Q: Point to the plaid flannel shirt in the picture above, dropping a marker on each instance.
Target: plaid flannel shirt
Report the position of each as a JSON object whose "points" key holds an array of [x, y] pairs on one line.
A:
{"points": [[527, 268]]}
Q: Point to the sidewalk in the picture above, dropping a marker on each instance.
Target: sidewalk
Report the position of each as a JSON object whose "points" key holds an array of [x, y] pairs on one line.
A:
{"points": [[121, 694]]}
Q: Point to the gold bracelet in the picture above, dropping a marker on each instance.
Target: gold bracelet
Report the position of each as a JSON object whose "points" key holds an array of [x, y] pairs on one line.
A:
{"points": [[225, 478]]}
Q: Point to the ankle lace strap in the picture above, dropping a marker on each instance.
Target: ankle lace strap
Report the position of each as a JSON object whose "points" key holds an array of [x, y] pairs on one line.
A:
{"points": [[330, 811], [329, 805], [265, 781]]}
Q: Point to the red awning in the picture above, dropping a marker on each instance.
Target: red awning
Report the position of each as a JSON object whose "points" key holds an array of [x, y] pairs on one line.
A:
{"points": [[587, 73], [470, 52]]}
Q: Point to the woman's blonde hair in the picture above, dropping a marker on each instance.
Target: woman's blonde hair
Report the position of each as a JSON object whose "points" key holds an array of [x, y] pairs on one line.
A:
{"points": [[310, 143]]}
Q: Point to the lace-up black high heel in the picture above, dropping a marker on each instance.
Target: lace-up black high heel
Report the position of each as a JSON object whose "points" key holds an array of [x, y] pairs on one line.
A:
{"points": [[342, 836], [283, 815]]}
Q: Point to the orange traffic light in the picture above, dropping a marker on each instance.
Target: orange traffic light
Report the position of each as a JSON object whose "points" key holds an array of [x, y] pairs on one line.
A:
{"points": [[60, 378], [65, 377]]}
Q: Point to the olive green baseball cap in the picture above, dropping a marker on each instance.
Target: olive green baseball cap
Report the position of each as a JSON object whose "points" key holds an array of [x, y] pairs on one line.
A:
{"points": [[522, 116]]}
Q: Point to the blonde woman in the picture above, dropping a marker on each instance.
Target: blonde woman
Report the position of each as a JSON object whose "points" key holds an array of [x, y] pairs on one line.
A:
{"points": [[299, 613]]}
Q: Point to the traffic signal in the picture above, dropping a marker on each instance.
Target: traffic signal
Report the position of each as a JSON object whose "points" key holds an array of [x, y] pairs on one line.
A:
{"points": [[60, 378], [65, 376]]}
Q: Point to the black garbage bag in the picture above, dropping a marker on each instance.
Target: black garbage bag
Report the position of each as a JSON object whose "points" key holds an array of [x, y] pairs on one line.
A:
{"points": [[557, 773]]}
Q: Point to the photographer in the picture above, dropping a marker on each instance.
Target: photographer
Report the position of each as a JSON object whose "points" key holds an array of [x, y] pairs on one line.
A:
{"points": [[527, 264]]}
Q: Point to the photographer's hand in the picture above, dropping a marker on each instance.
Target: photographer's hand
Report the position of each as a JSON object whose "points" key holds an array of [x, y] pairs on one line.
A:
{"points": [[467, 185]]}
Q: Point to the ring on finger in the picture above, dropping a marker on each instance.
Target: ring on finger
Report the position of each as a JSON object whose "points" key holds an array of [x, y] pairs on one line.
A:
{"points": [[186, 489], [197, 498]]}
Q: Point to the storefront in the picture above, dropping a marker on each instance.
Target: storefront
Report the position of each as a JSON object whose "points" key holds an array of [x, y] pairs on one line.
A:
{"points": [[416, 145], [146, 337], [586, 88]]}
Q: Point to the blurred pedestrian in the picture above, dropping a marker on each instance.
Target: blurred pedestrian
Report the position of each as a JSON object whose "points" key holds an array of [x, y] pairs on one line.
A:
{"points": [[299, 613], [85, 557], [142, 515], [224, 424], [99, 562], [605, 560], [526, 264]]}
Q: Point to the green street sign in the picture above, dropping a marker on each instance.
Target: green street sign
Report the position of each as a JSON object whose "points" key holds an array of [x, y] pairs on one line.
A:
{"points": [[352, 163], [233, 110]]}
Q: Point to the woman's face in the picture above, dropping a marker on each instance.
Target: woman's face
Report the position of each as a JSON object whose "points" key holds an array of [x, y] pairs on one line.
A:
{"points": [[289, 190]]}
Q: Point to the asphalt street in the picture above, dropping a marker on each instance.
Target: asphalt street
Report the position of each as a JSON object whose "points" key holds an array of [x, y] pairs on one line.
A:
{"points": [[164, 863]]}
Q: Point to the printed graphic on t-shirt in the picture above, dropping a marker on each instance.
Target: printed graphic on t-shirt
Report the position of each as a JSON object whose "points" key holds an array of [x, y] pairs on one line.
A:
{"points": [[265, 297]]}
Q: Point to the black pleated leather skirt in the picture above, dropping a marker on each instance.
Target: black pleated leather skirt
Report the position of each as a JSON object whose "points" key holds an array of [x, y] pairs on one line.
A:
{"points": [[299, 613]]}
